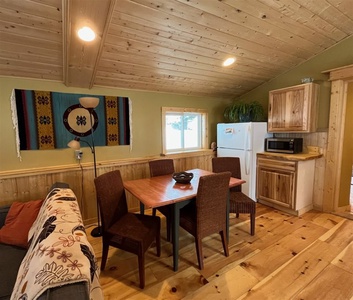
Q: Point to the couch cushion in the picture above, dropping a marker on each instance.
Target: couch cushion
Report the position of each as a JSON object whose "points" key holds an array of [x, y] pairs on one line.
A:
{"points": [[18, 222], [77, 291], [10, 260]]}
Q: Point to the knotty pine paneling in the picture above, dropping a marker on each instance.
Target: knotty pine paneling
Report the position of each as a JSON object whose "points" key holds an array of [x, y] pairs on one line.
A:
{"points": [[26, 185], [174, 46]]}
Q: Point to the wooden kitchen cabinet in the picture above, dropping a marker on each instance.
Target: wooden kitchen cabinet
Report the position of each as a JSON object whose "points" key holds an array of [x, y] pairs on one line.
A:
{"points": [[293, 109], [285, 184]]}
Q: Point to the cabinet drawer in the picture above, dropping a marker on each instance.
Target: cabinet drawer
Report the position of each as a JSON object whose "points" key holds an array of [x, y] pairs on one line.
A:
{"points": [[277, 164]]}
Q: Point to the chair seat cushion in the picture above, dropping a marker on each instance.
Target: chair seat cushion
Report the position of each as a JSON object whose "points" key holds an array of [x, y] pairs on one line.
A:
{"points": [[241, 203], [133, 230]]}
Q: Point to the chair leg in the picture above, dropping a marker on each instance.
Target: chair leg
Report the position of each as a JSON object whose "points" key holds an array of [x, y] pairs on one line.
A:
{"points": [[252, 223], [141, 261], [198, 244], [104, 254], [237, 215], [224, 242], [158, 241], [154, 211]]}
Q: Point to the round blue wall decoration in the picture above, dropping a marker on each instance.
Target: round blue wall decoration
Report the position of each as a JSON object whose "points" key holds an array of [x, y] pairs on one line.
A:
{"points": [[77, 120]]}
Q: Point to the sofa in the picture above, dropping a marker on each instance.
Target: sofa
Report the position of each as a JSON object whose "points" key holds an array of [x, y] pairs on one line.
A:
{"points": [[16, 264]]}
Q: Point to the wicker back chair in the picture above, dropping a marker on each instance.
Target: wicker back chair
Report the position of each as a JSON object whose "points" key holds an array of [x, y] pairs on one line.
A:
{"points": [[162, 167], [127, 231], [239, 202], [207, 214]]}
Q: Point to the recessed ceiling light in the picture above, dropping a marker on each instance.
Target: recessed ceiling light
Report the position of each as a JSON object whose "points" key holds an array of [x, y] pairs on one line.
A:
{"points": [[229, 61], [86, 34]]}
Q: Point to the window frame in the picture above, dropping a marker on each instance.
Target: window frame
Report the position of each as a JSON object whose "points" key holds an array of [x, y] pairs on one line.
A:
{"points": [[204, 126]]}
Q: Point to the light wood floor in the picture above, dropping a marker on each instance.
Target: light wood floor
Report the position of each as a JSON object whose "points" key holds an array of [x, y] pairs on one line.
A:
{"points": [[308, 257]]}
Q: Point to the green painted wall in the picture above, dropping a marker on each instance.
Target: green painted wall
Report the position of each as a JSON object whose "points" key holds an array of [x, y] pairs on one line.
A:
{"points": [[146, 111], [146, 125], [337, 56]]}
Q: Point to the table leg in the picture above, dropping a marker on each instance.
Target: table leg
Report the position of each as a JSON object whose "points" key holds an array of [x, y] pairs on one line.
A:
{"points": [[227, 217], [175, 235], [175, 230]]}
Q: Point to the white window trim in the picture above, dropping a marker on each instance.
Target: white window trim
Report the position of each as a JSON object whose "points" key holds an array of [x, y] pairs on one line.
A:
{"points": [[204, 124]]}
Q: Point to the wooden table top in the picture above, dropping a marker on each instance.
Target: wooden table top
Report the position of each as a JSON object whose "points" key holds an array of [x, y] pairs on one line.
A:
{"points": [[163, 190]]}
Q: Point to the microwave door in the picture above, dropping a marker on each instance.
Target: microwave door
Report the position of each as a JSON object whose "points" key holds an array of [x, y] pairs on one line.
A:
{"points": [[278, 146]]}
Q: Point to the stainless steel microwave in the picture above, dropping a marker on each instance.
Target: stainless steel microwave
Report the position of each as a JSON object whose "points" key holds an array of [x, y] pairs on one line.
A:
{"points": [[284, 145]]}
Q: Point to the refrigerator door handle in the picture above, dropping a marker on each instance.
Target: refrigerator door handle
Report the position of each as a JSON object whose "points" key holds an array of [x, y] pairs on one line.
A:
{"points": [[248, 138], [247, 162], [246, 141], [246, 150]]}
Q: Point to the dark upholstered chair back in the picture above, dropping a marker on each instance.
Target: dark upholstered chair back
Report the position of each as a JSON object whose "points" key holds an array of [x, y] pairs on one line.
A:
{"points": [[161, 167], [111, 197], [211, 203], [207, 215], [230, 164], [239, 203], [122, 229]]}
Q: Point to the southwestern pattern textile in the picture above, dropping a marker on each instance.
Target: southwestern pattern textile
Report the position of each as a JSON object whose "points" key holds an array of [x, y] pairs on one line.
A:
{"points": [[59, 252], [49, 120]]}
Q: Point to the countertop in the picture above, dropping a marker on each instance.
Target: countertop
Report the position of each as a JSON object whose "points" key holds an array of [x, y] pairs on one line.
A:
{"points": [[286, 156]]}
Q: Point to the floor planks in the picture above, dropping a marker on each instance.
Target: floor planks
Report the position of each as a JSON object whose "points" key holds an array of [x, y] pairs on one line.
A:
{"points": [[307, 257]]}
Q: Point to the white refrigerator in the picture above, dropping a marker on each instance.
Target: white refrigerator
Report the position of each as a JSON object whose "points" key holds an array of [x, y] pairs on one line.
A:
{"points": [[243, 140]]}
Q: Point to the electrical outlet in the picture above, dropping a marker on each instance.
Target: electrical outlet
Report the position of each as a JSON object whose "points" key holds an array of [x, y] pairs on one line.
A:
{"points": [[78, 154]]}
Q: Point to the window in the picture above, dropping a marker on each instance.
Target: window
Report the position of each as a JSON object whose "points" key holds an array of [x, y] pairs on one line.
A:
{"points": [[184, 129]]}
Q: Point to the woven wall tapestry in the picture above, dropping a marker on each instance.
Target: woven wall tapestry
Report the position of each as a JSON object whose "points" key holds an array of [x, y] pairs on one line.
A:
{"points": [[49, 120]]}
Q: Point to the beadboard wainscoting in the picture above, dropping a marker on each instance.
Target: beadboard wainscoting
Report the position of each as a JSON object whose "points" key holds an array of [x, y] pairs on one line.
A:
{"points": [[33, 184]]}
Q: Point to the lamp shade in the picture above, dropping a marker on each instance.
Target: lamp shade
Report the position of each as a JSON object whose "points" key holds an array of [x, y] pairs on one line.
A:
{"points": [[74, 144], [89, 102]]}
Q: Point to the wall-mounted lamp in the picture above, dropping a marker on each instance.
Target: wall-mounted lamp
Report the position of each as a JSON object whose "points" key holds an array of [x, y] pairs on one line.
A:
{"points": [[89, 103]]}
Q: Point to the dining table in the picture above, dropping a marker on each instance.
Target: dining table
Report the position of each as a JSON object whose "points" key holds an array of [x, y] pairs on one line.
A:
{"points": [[164, 190]]}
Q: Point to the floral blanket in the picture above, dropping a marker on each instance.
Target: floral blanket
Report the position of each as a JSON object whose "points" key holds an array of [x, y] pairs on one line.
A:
{"points": [[58, 252]]}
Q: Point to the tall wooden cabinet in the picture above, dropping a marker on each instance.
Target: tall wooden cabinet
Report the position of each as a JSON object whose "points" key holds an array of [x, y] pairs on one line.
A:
{"points": [[285, 184], [293, 109]]}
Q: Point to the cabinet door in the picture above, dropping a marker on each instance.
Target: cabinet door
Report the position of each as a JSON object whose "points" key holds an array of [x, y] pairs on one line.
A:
{"points": [[276, 182], [293, 109]]}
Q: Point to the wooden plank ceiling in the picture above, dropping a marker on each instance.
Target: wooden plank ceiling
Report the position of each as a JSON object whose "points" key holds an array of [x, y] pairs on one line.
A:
{"points": [[172, 46]]}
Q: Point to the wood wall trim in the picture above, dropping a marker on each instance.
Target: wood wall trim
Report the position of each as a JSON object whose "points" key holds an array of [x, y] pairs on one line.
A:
{"points": [[343, 73], [100, 164], [340, 79]]}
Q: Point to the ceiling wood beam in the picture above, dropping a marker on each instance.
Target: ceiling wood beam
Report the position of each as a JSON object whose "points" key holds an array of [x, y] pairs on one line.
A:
{"points": [[80, 57]]}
